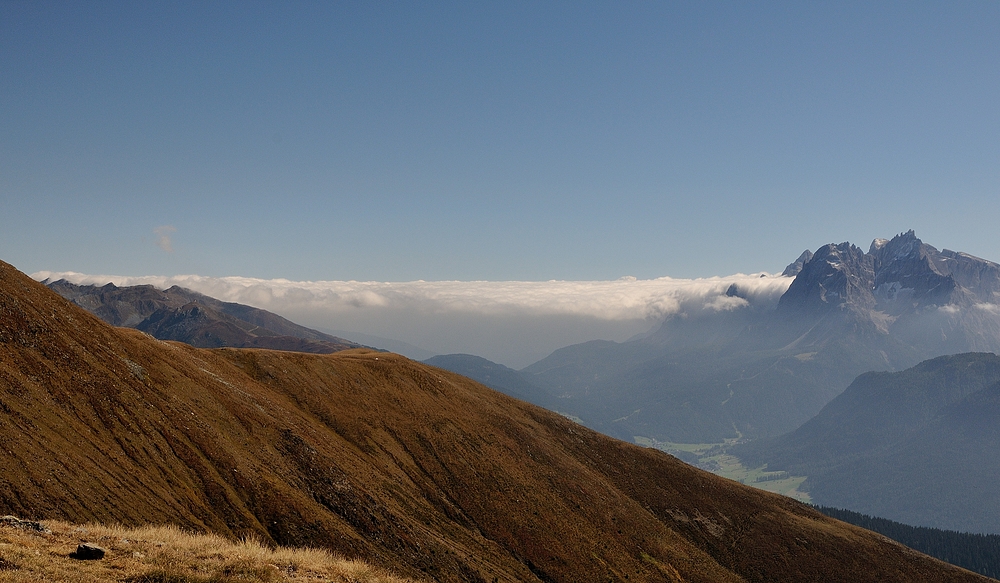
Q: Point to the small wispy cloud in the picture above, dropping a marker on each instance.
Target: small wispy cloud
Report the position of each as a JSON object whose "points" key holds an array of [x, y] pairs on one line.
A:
{"points": [[163, 240], [991, 308]]}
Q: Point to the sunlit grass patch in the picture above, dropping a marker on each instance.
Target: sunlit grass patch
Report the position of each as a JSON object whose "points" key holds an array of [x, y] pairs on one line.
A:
{"points": [[166, 554], [714, 458]]}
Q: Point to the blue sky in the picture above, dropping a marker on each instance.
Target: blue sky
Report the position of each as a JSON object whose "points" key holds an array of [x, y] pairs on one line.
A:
{"points": [[490, 141]]}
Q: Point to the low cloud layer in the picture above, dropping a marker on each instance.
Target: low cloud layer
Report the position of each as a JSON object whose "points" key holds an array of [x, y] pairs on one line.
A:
{"points": [[623, 299], [513, 322]]}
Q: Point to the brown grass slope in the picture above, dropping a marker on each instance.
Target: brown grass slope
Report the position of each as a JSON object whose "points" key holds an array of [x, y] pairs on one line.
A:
{"points": [[165, 554], [380, 458]]}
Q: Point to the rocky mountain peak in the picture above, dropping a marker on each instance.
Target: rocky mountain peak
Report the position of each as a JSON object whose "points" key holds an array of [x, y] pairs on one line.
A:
{"points": [[902, 247], [910, 273], [795, 267], [877, 244], [935, 301], [896, 276], [837, 275]]}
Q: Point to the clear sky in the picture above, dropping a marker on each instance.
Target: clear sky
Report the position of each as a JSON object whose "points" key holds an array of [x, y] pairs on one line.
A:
{"points": [[491, 140]]}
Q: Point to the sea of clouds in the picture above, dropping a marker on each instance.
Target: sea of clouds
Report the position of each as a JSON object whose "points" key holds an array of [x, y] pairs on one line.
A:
{"points": [[511, 322]]}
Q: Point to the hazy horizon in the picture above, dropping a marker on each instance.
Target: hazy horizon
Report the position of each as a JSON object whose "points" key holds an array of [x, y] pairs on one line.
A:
{"points": [[514, 323]]}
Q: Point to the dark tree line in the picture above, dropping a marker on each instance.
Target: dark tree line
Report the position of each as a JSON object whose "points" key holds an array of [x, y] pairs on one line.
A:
{"points": [[975, 552]]}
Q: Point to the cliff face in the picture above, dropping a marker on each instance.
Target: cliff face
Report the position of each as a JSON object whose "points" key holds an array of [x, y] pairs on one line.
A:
{"points": [[896, 276], [837, 276], [378, 457]]}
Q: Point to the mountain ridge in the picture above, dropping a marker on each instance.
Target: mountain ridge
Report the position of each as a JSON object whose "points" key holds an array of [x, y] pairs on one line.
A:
{"points": [[187, 316], [495, 376], [758, 370], [369, 454]]}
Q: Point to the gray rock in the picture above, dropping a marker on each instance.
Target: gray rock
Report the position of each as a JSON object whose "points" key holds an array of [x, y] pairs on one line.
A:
{"points": [[23, 524], [88, 552]]}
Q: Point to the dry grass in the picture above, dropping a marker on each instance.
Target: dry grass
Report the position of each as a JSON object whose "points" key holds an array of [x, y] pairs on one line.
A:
{"points": [[166, 554]]}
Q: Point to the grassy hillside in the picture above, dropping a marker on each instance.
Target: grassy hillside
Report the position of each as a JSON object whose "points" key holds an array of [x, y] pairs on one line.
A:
{"points": [[376, 457]]}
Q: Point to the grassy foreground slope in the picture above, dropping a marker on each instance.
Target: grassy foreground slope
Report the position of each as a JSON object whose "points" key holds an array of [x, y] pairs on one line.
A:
{"points": [[376, 457], [160, 554]]}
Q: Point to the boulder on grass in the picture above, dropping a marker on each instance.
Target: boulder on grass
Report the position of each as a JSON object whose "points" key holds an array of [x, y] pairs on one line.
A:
{"points": [[88, 552]]}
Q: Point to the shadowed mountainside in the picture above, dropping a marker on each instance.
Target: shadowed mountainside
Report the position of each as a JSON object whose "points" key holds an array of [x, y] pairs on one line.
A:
{"points": [[404, 465], [199, 320], [975, 552], [495, 376], [918, 446]]}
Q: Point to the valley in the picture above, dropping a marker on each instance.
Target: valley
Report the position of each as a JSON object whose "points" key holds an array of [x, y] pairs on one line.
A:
{"points": [[715, 458]]}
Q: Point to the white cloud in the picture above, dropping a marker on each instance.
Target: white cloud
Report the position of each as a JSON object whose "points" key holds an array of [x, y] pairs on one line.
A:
{"points": [[511, 322], [991, 308], [623, 299], [163, 237]]}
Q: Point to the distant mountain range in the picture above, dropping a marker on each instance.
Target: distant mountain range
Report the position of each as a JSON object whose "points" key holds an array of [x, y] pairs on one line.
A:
{"points": [[199, 320], [749, 370], [760, 369], [495, 376], [392, 345], [918, 446], [373, 456]]}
